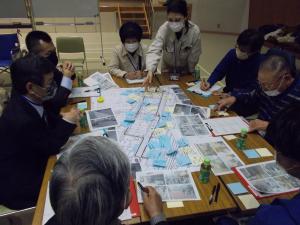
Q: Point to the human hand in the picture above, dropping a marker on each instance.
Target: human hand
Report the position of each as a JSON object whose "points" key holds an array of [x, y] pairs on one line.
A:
{"points": [[140, 74], [204, 86], [68, 69], [226, 103], [131, 75], [72, 116], [148, 80], [152, 202], [258, 124]]}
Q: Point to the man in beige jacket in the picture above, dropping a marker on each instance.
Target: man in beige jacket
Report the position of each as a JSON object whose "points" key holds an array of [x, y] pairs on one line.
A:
{"points": [[128, 59], [177, 43]]}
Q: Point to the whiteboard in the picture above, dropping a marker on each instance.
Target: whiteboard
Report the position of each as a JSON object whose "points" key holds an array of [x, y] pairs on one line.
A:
{"points": [[12, 9], [65, 8]]}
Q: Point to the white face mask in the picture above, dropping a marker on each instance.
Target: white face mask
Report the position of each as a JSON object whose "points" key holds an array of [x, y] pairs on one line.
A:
{"points": [[176, 26], [241, 55], [272, 93], [132, 47]]}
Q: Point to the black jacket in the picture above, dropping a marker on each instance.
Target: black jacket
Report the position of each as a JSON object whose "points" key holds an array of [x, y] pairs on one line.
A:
{"points": [[26, 142]]}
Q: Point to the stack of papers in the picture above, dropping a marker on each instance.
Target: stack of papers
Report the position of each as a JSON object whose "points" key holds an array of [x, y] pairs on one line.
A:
{"points": [[103, 80], [83, 92]]}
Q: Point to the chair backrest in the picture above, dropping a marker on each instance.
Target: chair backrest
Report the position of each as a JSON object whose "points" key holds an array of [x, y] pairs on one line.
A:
{"points": [[70, 45], [7, 43]]}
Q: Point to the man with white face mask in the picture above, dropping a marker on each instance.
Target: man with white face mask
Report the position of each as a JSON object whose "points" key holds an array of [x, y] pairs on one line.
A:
{"points": [[30, 132], [240, 65], [279, 87], [128, 59], [177, 44]]}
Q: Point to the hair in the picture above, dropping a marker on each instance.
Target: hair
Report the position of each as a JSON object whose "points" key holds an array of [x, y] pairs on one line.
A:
{"points": [[178, 6], [30, 68], [33, 40], [130, 30], [251, 39], [277, 64], [90, 182], [283, 131]]}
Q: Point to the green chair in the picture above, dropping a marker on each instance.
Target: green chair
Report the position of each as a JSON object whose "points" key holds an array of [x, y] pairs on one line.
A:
{"points": [[69, 46], [15, 217]]}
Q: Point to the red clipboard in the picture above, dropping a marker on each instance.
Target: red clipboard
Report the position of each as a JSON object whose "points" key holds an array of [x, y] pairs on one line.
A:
{"points": [[134, 205]]}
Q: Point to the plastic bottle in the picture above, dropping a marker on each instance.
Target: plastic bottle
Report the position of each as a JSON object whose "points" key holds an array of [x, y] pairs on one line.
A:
{"points": [[197, 72], [241, 141], [205, 170]]}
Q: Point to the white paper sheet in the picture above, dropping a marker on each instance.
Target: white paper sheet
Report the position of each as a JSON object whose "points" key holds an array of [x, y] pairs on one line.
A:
{"points": [[196, 89], [104, 80], [172, 185], [226, 126]]}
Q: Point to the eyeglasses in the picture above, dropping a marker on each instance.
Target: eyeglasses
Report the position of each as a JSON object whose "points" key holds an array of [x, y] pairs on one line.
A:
{"points": [[270, 86]]}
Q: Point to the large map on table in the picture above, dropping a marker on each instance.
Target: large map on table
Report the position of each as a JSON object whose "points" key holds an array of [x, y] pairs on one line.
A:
{"points": [[155, 136]]}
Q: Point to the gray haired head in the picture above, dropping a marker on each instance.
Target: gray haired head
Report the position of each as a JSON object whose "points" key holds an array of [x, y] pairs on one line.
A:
{"points": [[277, 64], [90, 183]]}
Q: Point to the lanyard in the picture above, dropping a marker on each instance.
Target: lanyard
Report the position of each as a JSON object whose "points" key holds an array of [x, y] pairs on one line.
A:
{"points": [[136, 67]]}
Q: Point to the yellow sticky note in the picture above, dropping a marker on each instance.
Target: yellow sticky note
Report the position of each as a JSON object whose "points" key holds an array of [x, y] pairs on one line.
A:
{"points": [[134, 97], [159, 131], [152, 108], [186, 150], [169, 125], [169, 109], [249, 201], [230, 137], [264, 152], [174, 204]]}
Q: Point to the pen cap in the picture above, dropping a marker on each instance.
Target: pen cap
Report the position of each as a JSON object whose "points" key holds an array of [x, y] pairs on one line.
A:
{"points": [[244, 131], [206, 162]]}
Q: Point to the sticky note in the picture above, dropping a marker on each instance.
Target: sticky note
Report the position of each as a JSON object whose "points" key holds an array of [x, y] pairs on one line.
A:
{"points": [[159, 131], [82, 106], [169, 125], [230, 137], [251, 154], [182, 142], [171, 150], [169, 109], [159, 163], [131, 101], [249, 201], [171, 205], [153, 154], [152, 108], [126, 124], [166, 114], [126, 92], [183, 160], [161, 123], [237, 188], [129, 119], [100, 99], [149, 117], [154, 143], [264, 152], [186, 150]]}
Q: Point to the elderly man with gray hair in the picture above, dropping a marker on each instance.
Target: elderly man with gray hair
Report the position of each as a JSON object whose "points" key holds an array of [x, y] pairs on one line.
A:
{"points": [[90, 186]]}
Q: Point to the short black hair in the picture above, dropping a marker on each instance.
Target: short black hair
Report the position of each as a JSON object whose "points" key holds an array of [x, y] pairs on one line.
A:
{"points": [[33, 40], [251, 39], [177, 6], [283, 131], [30, 68], [130, 30]]}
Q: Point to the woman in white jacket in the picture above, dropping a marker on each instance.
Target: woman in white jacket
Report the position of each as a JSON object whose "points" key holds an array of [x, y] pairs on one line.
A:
{"points": [[177, 42]]}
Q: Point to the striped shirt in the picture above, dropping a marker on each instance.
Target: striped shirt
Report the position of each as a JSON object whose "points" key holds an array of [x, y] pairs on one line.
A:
{"points": [[267, 106]]}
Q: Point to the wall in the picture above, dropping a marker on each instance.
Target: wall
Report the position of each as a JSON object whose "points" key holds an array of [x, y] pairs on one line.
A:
{"points": [[229, 16]]}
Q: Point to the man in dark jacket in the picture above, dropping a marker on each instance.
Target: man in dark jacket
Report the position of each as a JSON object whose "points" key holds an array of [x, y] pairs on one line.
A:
{"points": [[40, 43], [30, 132]]}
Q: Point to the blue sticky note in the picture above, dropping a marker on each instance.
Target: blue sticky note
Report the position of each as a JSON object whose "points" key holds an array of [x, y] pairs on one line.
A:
{"points": [[154, 143], [183, 160], [139, 90], [237, 188], [131, 101], [148, 117], [162, 123], [182, 142], [146, 102], [126, 124], [153, 154], [171, 150], [165, 141], [251, 154], [126, 92], [130, 119], [130, 113], [160, 163], [166, 114]]}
